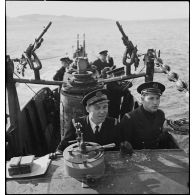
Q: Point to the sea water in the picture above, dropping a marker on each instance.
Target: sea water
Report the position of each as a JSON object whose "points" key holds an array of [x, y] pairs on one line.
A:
{"points": [[171, 37]]}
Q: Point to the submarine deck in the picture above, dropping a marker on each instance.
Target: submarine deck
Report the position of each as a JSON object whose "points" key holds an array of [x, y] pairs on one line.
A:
{"points": [[146, 171]]}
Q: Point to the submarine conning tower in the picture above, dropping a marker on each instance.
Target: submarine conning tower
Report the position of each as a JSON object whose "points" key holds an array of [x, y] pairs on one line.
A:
{"points": [[78, 81]]}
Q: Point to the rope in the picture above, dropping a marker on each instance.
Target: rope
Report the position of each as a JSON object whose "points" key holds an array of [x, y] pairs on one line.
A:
{"points": [[180, 126], [27, 85], [173, 77], [51, 57]]}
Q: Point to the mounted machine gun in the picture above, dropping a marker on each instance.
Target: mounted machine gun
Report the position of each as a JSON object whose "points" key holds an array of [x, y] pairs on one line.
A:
{"points": [[29, 56], [130, 52]]}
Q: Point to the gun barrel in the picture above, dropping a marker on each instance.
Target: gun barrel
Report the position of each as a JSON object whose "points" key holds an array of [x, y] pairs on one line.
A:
{"points": [[118, 24], [121, 29], [131, 46], [44, 31]]}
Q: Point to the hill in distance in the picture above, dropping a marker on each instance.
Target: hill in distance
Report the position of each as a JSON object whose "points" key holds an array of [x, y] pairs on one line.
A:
{"points": [[40, 17]]}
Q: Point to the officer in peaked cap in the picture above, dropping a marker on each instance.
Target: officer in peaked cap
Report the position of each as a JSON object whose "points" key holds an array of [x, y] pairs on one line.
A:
{"points": [[60, 73], [143, 127], [98, 96], [103, 61], [152, 88], [104, 52], [66, 59], [96, 126]]}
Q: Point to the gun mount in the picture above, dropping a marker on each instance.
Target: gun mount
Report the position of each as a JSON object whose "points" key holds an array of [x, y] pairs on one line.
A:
{"points": [[29, 56], [130, 52]]}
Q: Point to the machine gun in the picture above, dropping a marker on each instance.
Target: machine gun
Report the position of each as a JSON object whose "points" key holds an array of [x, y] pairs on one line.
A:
{"points": [[29, 56], [131, 50]]}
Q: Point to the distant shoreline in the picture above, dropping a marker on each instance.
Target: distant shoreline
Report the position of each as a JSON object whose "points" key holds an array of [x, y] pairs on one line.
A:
{"points": [[44, 16]]}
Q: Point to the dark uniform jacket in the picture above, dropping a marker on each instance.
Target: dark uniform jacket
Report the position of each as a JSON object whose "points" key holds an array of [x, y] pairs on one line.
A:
{"points": [[117, 108], [115, 94], [59, 74], [108, 133], [101, 65], [142, 129]]}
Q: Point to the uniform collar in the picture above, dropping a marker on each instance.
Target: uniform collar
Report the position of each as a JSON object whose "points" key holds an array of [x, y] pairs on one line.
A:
{"points": [[150, 115], [93, 125], [102, 60]]}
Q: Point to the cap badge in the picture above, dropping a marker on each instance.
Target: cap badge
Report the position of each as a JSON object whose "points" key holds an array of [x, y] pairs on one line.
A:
{"points": [[155, 85], [99, 94]]}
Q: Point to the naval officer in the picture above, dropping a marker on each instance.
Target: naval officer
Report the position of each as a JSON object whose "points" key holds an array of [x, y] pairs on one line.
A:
{"points": [[103, 61], [96, 126], [143, 127], [60, 73]]}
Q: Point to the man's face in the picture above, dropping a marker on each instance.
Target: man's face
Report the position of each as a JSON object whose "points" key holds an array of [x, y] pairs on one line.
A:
{"points": [[65, 64], [151, 102], [98, 112], [103, 57]]}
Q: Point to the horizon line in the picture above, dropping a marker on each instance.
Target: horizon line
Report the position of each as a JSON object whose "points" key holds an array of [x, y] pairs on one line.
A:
{"points": [[174, 18]]}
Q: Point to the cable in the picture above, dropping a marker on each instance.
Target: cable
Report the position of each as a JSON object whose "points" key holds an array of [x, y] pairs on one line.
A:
{"points": [[51, 57], [27, 85]]}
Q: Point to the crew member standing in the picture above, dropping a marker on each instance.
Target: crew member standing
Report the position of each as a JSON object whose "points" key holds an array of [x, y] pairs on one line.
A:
{"points": [[60, 73], [103, 61]]}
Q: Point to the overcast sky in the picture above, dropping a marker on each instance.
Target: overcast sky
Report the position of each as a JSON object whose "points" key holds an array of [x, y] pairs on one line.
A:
{"points": [[113, 10]]}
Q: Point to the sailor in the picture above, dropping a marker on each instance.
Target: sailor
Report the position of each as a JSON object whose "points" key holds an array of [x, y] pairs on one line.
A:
{"points": [[103, 61], [143, 127], [60, 73], [96, 126]]}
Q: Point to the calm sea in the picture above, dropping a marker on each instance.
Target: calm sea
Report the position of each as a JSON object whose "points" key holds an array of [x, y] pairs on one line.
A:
{"points": [[170, 36]]}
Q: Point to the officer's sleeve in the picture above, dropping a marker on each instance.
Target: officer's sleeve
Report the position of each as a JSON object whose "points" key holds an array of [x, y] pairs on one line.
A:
{"points": [[95, 63], [117, 135], [166, 127], [69, 135], [59, 74], [162, 115], [126, 128], [111, 62]]}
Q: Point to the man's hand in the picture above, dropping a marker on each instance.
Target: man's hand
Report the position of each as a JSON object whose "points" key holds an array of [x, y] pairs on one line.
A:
{"points": [[110, 60], [126, 148], [166, 127], [103, 72], [58, 152]]}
